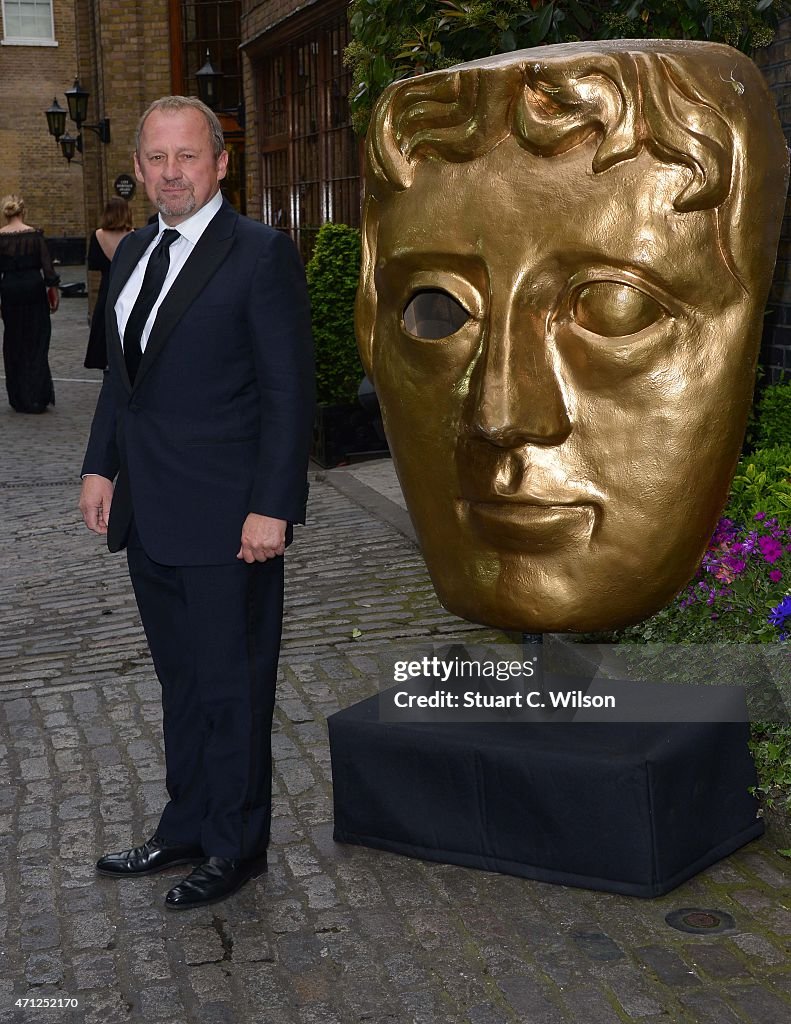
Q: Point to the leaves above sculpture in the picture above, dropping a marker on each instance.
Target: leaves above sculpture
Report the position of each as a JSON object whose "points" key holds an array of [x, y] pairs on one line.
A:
{"points": [[394, 39]]}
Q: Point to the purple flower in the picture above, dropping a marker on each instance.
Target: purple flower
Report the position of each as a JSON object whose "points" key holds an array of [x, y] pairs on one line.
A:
{"points": [[771, 549], [759, 516], [775, 575]]}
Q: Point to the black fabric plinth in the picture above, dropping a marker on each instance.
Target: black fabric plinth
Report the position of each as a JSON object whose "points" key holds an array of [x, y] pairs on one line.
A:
{"points": [[621, 807]]}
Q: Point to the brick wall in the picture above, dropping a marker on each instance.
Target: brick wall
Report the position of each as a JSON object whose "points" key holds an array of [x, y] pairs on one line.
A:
{"points": [[125, 51], [260, 16], [121, 53], [775, 62], [32, 164]]}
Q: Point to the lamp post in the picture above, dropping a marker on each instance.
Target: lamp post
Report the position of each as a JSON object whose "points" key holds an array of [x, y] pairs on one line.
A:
{"points": [[209, 79], [77, 100], [56, 119]]}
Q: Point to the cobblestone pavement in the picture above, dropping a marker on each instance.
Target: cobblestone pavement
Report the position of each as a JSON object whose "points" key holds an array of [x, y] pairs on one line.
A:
{"points": [[333, 934]]}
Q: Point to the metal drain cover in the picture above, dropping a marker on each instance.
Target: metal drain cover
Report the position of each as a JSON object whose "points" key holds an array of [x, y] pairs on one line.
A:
{"points": [[700, 922]]}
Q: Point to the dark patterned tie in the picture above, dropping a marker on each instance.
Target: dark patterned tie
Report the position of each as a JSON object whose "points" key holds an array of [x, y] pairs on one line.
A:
{"points": [[154, 278]]}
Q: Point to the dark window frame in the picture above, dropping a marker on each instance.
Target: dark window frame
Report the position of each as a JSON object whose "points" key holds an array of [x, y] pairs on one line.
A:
{"points": [[309, 172]]}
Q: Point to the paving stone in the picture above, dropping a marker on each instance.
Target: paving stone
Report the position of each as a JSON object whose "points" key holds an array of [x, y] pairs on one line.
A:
{"points": [[92, 930], [201, 945], [44, 969], [765, 869], [487, 1013], [93, 971], [527, 997], [706, 1006], [301, 860], [219, 1013], [321, 892], [757, 1003], [80, 806], [759, 946], [251, 945], [634, 993], [159, 1002], [779, 920], [210, 984], [590, 1003], [755, 900], [40, 931], [668, 966], [717, 961], [147, 958]]}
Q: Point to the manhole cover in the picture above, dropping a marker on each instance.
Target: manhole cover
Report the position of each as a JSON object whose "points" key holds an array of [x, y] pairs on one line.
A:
{"points": [[700, 922]]}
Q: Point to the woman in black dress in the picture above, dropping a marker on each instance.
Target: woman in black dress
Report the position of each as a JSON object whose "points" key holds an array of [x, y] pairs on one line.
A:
{"points": [[116, 223], [28, 293]]}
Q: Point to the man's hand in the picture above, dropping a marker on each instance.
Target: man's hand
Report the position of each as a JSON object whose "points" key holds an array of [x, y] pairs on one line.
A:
{"points": [[95, 499], [262, 538]]}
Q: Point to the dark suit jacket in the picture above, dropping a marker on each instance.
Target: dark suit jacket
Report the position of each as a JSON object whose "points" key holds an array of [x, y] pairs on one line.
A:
{"points": [[218, 423]]}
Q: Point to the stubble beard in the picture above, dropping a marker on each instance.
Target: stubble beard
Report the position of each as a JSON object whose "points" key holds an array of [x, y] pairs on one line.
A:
{"points": [[176, 207]]}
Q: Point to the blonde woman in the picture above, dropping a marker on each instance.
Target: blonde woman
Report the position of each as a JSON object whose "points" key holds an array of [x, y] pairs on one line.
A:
{"points": [[28, 293]]}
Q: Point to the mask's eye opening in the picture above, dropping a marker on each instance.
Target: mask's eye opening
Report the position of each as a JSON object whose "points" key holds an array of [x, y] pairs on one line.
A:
{"points": [[432, 313]]}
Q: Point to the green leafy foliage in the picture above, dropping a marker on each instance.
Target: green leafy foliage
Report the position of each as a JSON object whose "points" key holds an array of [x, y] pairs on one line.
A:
{"points": [[393, 39], [332, 274], [762, 484], [773, 416], [771, 748]]}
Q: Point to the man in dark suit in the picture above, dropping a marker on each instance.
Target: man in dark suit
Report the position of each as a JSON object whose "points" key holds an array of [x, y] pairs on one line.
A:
{"points": [[204, 423]]}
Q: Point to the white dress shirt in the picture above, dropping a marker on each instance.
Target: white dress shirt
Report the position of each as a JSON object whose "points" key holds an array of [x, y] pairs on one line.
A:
{"points": [[190, 230]]}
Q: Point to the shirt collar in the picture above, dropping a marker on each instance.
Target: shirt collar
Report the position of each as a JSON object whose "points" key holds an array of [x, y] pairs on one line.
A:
{"points": [[193, 227]]}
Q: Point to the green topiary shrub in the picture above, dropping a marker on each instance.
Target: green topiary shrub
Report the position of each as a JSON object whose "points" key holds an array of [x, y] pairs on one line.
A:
{"points": [[332, 273], [773, 417], [762, 484]]}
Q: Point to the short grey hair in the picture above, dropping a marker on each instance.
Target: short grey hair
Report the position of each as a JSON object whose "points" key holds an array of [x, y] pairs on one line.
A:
{"points": [[177, 103]]}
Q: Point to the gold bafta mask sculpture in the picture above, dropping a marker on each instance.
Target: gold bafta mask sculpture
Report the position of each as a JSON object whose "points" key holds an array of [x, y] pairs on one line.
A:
{"points": [[566, 256]]}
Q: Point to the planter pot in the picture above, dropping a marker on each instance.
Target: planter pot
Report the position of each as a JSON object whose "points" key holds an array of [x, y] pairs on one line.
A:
{"points": [[344, 433]]}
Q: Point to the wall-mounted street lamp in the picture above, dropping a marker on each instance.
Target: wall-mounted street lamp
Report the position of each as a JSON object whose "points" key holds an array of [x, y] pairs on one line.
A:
{"points": [[77, 100], [209, 78]]}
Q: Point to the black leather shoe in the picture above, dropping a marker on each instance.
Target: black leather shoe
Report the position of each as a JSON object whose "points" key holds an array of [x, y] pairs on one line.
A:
{"points": [[154, 855], [213, 880]]}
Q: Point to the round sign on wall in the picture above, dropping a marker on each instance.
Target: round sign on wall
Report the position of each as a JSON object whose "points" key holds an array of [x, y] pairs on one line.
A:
{"points": [[125, 186]]}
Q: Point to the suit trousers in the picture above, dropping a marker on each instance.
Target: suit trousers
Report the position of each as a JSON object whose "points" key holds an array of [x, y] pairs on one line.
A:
{"points": [[214, 635]]}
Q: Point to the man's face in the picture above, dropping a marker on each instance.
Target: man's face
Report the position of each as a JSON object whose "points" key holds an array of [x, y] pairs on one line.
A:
{"points": [[176, 163], [565, 440]]}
